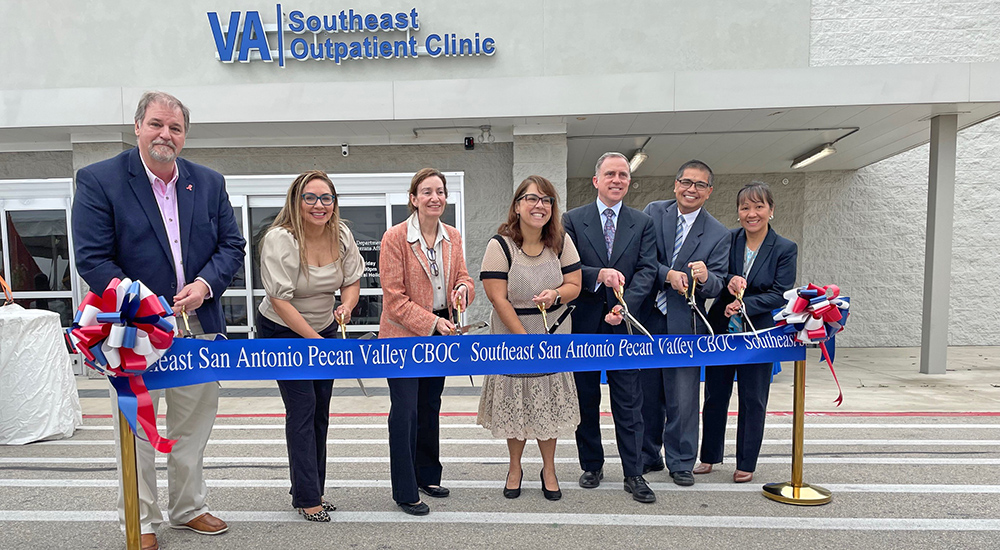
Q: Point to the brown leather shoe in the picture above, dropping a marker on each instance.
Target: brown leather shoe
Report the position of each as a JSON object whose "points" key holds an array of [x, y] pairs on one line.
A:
{"points": [[148, 542], [739, 476], [205, 524], [703, 468]]}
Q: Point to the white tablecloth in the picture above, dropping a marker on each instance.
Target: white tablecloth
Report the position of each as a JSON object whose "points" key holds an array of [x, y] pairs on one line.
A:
{"points": [[38, 395]]}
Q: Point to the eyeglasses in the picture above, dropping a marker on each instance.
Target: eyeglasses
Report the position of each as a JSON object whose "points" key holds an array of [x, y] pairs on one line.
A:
{"points": [[432, 261], [326, 198], [700, 185], [533, 199]]}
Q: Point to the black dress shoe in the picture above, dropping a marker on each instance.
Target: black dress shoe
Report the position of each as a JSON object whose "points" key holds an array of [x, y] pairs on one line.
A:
{"points": [[550, 495], [646, 468], [513, 493], [683, 478], [591, 480], [418, 509], [436, 492], [640, 491]]}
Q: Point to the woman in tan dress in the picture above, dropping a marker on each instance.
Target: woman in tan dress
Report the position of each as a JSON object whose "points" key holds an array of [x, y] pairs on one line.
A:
{"points": [[531, 263]]}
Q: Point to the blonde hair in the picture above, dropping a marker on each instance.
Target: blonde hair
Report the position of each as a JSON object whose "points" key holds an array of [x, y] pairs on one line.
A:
{"points": [[290, 216]]}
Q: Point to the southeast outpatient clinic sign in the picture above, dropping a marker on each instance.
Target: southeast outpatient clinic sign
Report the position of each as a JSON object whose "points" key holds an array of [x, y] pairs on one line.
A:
{"points": [[387, 35], [190, 361]]}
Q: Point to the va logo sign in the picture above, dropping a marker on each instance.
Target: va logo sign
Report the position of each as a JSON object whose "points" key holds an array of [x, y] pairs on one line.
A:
{"points": [[252, 38]]}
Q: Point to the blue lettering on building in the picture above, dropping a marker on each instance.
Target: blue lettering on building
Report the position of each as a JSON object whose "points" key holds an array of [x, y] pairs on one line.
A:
{"points": [[388, 35]]}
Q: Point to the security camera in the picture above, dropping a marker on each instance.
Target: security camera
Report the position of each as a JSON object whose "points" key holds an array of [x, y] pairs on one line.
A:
{"points": [[344, 150]]}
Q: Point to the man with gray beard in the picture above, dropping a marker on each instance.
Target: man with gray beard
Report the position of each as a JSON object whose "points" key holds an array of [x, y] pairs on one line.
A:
{"points": [[153, 217]]}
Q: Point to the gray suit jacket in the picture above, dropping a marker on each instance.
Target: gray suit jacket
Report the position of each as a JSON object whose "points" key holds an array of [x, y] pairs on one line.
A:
{"points": [[708, 241]]}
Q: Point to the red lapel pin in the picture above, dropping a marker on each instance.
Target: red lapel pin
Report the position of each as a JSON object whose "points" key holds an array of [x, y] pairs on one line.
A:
{"points": [[188, 187]]}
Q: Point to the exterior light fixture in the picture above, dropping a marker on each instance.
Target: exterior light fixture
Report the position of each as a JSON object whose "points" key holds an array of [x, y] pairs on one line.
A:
{"points": [[812, 156], [638, 158]]}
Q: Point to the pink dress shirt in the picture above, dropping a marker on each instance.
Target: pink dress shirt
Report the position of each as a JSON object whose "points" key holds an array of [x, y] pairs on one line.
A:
{"points": [[166, 199]]}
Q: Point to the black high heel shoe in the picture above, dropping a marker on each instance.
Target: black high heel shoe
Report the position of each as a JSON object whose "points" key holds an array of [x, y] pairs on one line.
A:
{"points": [[550, 495], [513, 493]]}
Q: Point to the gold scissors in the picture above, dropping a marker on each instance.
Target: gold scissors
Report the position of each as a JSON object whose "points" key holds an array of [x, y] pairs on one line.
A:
{"points": [[343, 326], [630, 321], [186, 333], [545, 319], [743, 312], [343, 336], [694, 305], [458, 317]]}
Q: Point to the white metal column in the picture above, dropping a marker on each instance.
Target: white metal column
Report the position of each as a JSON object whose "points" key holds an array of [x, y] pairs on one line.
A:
{"points": [[937, 259]]}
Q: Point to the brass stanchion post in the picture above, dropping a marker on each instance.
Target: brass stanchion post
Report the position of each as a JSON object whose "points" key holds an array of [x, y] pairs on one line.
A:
{"points": [[130, 483], [795, 491]]}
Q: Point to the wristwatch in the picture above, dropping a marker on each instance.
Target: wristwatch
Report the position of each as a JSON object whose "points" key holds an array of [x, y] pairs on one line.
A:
{"points": [[558, 299]]}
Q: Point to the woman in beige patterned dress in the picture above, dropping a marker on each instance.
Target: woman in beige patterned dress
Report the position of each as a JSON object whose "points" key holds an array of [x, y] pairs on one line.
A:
{"points": [[530, 263]]}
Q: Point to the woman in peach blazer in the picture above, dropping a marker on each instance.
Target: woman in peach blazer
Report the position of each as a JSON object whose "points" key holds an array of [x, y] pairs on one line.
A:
{"points": [[423, 274]]}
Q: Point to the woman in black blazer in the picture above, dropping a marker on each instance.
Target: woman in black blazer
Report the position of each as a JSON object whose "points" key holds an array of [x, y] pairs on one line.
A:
{"points": [[762, 264]]}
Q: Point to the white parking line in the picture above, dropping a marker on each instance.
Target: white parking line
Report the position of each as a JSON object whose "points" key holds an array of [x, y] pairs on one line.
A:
{"points": [[933, 461], [494, 518], [495, 485], [570, 442]]}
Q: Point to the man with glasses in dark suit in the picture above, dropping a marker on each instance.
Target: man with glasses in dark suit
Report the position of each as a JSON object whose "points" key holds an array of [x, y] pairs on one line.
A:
{"points": [[692, 248]]}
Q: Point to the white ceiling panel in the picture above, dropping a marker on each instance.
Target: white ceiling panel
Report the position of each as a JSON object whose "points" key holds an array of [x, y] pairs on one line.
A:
{"points": [[614, 124], [686, 122], [650, 123]]}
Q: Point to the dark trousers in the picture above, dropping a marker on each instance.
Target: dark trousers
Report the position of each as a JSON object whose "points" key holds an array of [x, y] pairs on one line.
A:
{"points": [[307, 420], [626, 409], [414, 435], [670, 416], [754, 383]]}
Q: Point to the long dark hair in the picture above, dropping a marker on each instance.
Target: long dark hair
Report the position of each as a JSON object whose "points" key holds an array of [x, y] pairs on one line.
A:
{"points": [[552, 232]]}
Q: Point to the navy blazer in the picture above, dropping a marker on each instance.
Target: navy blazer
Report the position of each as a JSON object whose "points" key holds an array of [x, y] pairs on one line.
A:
{"points": [[707, 241], [632, 254], [772, 273], [118, 231]]}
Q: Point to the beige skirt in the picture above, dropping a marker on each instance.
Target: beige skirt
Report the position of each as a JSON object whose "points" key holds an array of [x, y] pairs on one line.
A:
{"points": [[538, 407]]}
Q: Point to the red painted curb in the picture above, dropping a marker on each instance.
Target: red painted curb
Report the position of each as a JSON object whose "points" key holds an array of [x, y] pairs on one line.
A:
{"points": [[872, 414]]}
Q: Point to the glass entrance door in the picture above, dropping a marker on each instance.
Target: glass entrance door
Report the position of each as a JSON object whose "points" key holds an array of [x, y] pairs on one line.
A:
{"points": [[37, 247]]}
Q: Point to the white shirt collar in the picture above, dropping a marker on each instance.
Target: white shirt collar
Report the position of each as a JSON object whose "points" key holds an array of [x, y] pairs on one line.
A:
{"points": [[413, 231], [601, 207], [690, 217]]}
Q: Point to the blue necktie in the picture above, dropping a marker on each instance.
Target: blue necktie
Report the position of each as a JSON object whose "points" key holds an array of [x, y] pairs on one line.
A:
{"points": [[609, 230], [678, 238], [661, 296]]}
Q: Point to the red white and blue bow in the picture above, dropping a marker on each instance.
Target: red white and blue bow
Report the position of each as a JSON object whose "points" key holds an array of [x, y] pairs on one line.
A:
{"points": [[121, 333], [814, 315]]}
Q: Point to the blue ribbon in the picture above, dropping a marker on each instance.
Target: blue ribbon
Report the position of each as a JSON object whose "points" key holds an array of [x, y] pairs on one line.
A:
{"points": [[192, 361]]}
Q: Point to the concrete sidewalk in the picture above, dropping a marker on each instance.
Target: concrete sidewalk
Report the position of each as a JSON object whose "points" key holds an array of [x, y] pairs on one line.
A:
{"points": [[873, 380]]}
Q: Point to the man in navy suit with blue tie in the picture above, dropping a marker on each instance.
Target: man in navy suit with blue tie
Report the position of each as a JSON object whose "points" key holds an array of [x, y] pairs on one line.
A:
{"points": [[616, 246], [690, 243], [151, 216]]}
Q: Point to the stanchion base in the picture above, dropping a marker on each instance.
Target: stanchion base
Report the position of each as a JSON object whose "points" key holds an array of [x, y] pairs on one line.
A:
{"points": [[805, 495]]}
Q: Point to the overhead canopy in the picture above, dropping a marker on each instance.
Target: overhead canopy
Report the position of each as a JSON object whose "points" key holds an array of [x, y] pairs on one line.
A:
{"points": [[740, 121]]}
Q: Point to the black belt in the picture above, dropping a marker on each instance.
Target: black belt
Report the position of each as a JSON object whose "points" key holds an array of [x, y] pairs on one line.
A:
{"points": [[534, 310]]}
